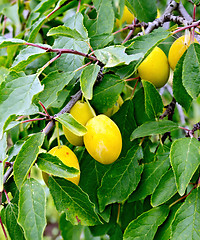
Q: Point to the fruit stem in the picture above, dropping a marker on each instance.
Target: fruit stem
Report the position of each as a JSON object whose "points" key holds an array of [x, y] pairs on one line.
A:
{"points": [[4, 231], [42, 105], [118, 213], [57, 133], [132, 94], [79, 4]]}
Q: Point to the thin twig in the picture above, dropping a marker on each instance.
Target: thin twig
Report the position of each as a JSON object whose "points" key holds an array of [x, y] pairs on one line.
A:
{"points": [[79, 4], [42, 105], [4, 231], [33, 120], [7, 196]]}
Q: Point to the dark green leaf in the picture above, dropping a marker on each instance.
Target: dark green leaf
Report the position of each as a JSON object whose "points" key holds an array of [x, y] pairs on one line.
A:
{"points": [[153, 101], [4, 42], [107, 92], [150, 178], [88, 78], [53, 165], [70, 123], [179, 91], [146, 225], [121, 179], [16, 94], [10, 215], [165, 189], [44, 5], [115, 55], [191, 70], [152, 128], [3, 148], [73, 201], [27, 157], [187, 218], [35, 28], [184, 157], [99, 41], [32, 209]]}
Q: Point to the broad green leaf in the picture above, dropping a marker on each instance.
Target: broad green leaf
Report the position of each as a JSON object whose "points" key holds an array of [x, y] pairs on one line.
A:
{"points": [[106, 93], [185, 159], [145, 226], [9, 217], [165, 189], [66, 32], [3, 73], [153, 101], [53, 165], [25, 57], [7, 42], [87, 80], [54, 82], [73, 201], [143, 11], [16, 94], [44, 5], [70, 123], [121, 179], [35, 28], [70, 62], [179, 91], [123, 118], [3, 148], [99, 41], [151, 175], [27, 157], [191, 70], [115, 55], [32, 209], [187, 218], [153, 128]]}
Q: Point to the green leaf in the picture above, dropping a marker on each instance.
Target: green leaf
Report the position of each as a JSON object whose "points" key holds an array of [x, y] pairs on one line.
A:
{"points": [[151, 175], [16, 94], [35, 28], [70, 123], [153, 101], [179, 91], [101, 40], [153, 128], [44, 5], [184, 157], [3, 148], [3, 73], [187, 218], [115, 55], [143, 11], [165, 189], [7, 42], [191, 70], [10, 215], [70, 62], [27, 157], [53, 165], [54, 82], [32, 209], [106, 93], [73, 201], [66, 32], [87, 80], [25, 57], [146, 225], [121, 179]]}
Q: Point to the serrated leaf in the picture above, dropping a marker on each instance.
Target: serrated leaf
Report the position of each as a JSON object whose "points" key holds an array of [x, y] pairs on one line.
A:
{"points": [[10, 215], [115, 55], [153, 101], [165, 189], [32, 209], [184, 157], [87, 80], [151, 175], [25, 57], [70, 123], [3, 148], [27, 157], [191, 70], [54, 82], [16, 94], [187, 218], [152, 128], [146, 225], [53, 165], [75, 202], [121, 179], [179, 91], [5, 42], [107, 92], [66, 32]]}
